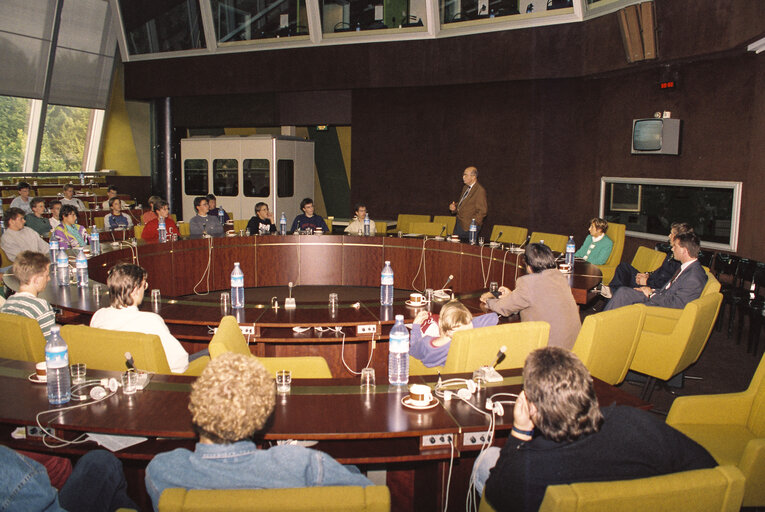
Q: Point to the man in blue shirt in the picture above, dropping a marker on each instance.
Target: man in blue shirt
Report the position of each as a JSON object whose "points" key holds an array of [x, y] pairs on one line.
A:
{"points": [[308, 219], [229, 403]]}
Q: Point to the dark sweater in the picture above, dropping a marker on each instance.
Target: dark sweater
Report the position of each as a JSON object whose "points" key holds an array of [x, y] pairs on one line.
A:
{"points": [[255, 222], [630, 444], [303, 221]]}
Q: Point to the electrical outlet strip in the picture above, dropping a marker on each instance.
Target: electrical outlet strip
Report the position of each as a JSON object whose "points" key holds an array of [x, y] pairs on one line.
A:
{"points": [[435, 440], [474, 438], [366, 329]]}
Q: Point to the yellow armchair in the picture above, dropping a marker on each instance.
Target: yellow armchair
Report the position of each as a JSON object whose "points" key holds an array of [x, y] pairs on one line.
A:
{"points": [[374, 498], [553, 241], [428, 228], [449, 220], [404, 219], [510, 234], [731, 427], [138, 230], [21, 338], [616, 234], [647, 260], [184, 229]]}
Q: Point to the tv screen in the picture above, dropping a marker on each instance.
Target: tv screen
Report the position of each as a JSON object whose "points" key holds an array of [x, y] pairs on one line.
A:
{"points": [[647, 135]]}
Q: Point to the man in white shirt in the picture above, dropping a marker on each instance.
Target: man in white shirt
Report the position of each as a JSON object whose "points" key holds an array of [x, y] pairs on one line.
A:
{"points": [[22, 200], [18, 237], [110, 192], [127, 284], [70, 199]]}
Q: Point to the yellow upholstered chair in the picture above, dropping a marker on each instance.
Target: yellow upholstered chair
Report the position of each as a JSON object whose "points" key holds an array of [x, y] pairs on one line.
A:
{"points": [[478, 347], [510, 234], [712, 286], [184, 229], [673, 339], [607, 342], [428, 228], [329, 221], [553, 241], [104, 349], [4, 258], [99, 222], [229, 338], [404, 219], [449, 220], [374, 498], [616, 234], [138, 230], [240, 224], [731, 427], [381, 227], [647, 260], [21, 338]]}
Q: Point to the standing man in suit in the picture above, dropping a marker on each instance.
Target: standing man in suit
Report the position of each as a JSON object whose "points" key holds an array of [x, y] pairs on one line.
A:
{"points": [[685, 286], [471, 205]]}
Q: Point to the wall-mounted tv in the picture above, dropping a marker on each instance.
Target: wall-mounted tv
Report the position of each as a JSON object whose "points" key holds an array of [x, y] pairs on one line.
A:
{"points": [[655, 136]]}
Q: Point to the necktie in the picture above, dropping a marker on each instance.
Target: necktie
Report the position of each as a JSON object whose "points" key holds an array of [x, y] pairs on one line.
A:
{"points": [[673, 278], [463, 197]]}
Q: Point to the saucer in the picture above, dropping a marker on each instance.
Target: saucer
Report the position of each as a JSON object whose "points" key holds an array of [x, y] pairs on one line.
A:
{"points": [[416, 304], [441, 295], [33, 378], [494, 245], [408, 403]]}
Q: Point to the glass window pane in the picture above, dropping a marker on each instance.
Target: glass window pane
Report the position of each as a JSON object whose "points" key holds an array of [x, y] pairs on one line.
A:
{"points": [[285, 178], [225, 177], [28, 17], [27, 57], [81, 79], [86, 25], [244, 20], [14, 121], [64, 136], [361, 15], [453, 11], [162, 25], [195, 177], [256, 177]]}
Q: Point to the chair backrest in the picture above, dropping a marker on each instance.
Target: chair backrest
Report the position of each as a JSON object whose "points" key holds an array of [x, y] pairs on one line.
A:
{"points": [[510, 234], [329, 221], [184, 229], [449, 220], [756, 421], [404, 219], [473, 348], [228, 338], [374, 498], [607, 342], [21, 338], [99, 222], [712, 285], [616, 234], [4, 258], [428, 228], [647, 260], [381, 227], [104, 349], [240, 224], [719, 489], [553, 241], [138, 230]]}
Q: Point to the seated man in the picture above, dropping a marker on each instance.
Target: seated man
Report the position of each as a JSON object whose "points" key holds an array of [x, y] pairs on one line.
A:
{"points": [[597, 246], [96, 484], [116, 219], [627, 275], [542, 294], [308, 219], [32, 269], [561, 436], [432, 334], [150, 215], [356, 226], [229, 403], [17, 237], [22, 201], [262, 223], [127, 283], [69, 198], [35, 220], [110, 192], [202, 223], [55, 212], [151, 230], [686, 285], [213, 208]]}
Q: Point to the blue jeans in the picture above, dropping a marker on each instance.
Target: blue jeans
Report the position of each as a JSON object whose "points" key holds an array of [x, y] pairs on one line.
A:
{"points": [[482, 466], [97, 483]]}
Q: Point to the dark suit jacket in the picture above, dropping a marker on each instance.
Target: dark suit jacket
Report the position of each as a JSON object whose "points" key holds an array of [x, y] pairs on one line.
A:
{"points": [[663, 274], [687, 287], [474, 206]]}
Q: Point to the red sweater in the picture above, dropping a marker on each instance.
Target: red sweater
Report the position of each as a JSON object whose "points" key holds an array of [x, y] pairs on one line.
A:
{"points": [[150, 229]]}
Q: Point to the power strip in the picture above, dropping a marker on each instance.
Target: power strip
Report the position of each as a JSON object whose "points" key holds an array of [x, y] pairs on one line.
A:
{"points": [[474, 438], [246, 329], [435, 440], [366, 329]]}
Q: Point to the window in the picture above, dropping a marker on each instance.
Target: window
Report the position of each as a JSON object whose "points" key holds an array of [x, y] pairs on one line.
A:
{"points": [[195, 177], [162, 26], [256, 177], [14, 121], [225, 177], [285, 178], [361, 15], [245, 20], [66, 130]]}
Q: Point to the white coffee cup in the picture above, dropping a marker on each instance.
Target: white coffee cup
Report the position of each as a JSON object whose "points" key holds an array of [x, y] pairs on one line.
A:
{"points": [[420, 394], [416, 298]]}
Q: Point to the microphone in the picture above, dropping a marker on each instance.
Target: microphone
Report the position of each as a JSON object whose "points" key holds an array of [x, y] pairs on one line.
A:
{"points": [[290, 285], [500, 356], [443, 228], [447, 282], [129, 363], [528, 239], [496, 240]]}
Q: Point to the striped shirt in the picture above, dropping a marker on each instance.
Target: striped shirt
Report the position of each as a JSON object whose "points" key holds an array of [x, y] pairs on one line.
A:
{"points": [[26, 304]]}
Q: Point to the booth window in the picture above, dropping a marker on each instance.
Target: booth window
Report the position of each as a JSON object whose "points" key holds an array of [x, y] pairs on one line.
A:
{"points": [[285, 178], [225, 177], [195, 177], [256, 179]]}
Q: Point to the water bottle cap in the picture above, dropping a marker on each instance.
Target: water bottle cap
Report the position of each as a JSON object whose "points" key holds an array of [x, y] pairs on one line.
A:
{"points": [[236, 263], [387, 262], [399, 318]]}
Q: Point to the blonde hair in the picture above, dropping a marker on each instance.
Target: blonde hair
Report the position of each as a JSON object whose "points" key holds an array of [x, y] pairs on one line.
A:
{"points": [[232, 399], [29, 264], [453, 315]]}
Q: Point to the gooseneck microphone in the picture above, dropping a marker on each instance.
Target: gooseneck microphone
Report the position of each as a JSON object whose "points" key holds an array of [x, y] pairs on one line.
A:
{"points": [[129, 363], [528, 239], [443, 228], [496, 240], [447, 282], [500, 356]]}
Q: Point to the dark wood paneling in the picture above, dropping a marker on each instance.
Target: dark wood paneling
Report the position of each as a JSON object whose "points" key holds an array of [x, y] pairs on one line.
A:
{"points": [[360, 254], [278, 261], [321, 259]]}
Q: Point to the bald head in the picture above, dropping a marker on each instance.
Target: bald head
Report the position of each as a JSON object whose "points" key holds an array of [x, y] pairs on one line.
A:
{"points": [[470, 175]]}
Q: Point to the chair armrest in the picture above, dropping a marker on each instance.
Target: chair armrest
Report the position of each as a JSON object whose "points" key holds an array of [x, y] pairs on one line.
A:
{"points": [[197, 366], [728, 408], [661, 320], [752, 464]]}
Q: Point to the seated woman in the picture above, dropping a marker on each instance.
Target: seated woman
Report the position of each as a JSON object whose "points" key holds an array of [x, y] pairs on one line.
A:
{"points": [[432, 334], [69, 234], [116, 219], [597, 246], [151, 230], [262, 223]]}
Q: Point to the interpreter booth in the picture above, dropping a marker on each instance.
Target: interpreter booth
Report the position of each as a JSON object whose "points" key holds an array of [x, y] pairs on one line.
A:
{"points": [[244, 170]]}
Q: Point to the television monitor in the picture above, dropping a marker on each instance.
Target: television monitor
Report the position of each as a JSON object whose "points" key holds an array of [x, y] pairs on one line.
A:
{"points": [[655, 136]]}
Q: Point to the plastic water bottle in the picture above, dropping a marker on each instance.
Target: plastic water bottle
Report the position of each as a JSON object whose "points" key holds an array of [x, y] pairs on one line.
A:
{"points": [[221, 216], [473, 232], [570, 250], [53, 250], [237, 287], [62, 268], [386, 285], [283, 224], [162, 230], [366, 225], [81, 265], [57, 368], [95, 241], [398, 353]]}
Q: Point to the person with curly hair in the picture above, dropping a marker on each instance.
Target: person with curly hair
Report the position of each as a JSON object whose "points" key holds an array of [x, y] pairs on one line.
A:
{"points": [[230, 402]]}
